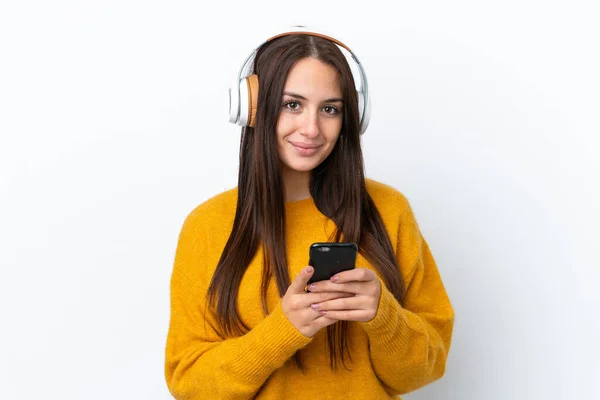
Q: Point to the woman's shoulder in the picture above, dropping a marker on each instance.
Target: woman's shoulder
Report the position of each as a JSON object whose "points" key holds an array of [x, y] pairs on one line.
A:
{"points": [[394, 208], [204, 232], [217, 209], [385, 195]]}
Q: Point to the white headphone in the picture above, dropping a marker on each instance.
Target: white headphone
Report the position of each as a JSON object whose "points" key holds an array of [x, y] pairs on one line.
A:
{"points": [[243, 93]]}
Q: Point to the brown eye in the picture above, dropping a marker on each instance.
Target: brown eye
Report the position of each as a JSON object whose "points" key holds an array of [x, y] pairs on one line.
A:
{"points": [[292, 105], [330, 110]]}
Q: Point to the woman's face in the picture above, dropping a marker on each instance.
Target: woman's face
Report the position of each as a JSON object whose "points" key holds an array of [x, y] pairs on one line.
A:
{"points": [[310, 119]]}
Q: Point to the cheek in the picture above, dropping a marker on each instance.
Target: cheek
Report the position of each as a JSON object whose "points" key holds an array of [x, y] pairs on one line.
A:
{"points": [[282, 130], [332, 132], [284, 126]]}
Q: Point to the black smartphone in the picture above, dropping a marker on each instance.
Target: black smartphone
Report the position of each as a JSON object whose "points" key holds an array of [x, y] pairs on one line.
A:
{"points": [[328, 259]]}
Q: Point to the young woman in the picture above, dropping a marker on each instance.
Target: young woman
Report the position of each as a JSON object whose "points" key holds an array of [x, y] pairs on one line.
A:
{"points": [[243, 322]]}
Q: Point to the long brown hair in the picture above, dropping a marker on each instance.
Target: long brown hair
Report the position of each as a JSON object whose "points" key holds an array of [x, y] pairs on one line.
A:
{"points": [[337, 186]]}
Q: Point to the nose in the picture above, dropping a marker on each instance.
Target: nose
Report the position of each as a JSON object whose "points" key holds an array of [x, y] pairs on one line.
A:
{"points": [[310, 124]]}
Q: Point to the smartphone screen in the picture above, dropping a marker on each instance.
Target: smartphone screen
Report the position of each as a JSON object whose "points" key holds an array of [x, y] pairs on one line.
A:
{"points": [[328, 259]]}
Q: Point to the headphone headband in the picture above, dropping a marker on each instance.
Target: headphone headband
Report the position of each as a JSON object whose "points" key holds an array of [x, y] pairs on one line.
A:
{"points": [[309, 32], [243, 93]]}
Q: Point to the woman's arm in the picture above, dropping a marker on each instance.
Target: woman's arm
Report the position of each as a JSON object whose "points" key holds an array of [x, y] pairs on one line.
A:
{"points": [[409, 344], [200, 363]]}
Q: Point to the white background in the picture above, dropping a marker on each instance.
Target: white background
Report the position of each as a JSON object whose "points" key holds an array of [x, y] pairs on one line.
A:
{"points": [[114, 125]]}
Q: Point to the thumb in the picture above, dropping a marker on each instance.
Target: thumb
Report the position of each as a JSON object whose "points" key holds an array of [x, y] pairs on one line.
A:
{"points": [[301, 280]]}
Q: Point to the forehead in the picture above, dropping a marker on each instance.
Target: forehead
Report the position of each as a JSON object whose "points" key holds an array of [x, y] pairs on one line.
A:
{"points": [[310, 76]]}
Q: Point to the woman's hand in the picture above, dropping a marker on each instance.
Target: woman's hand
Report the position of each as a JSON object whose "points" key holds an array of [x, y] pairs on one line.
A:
{"points": [[296, 304], [363, 286]]}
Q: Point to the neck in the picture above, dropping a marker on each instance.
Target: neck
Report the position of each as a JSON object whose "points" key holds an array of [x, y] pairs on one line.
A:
{"points": [[296, 184]]}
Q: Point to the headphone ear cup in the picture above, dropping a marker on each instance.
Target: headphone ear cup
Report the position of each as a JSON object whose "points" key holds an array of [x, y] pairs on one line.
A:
{"points": [[234, 102], [248, 100], [361, 105], [252, 81], [243, 114], [365, 113]]}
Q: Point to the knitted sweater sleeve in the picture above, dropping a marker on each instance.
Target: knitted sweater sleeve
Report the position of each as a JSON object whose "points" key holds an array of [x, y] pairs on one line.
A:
{"points": [[409, 343], [200, 362]]}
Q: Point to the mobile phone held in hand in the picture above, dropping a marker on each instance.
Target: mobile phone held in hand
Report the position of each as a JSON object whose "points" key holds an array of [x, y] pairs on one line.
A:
{"points": [[328, 259]]}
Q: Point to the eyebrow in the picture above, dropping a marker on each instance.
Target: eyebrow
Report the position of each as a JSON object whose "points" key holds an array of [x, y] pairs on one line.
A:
{"points": [[331, 100]]}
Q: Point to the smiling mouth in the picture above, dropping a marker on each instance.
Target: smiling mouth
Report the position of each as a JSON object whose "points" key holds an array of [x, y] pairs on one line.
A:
{"points": [[305, 145], [304, 149]]}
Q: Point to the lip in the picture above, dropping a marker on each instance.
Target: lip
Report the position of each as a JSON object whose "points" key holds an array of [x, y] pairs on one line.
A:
{"points": [[305, 149]]}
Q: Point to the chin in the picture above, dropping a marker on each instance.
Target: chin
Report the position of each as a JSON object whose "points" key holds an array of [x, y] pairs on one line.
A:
{"points": [[303, 165]]}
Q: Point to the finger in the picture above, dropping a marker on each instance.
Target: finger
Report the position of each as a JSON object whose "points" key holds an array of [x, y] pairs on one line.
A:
{"points": [[349, 303], [323, 321], [299, 283], [357, 274], [349, 287], [309, 315], [349, 315], [312, 298]]}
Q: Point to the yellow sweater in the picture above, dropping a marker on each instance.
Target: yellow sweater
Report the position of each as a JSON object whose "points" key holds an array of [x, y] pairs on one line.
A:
{"points": [[399, 350]]}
